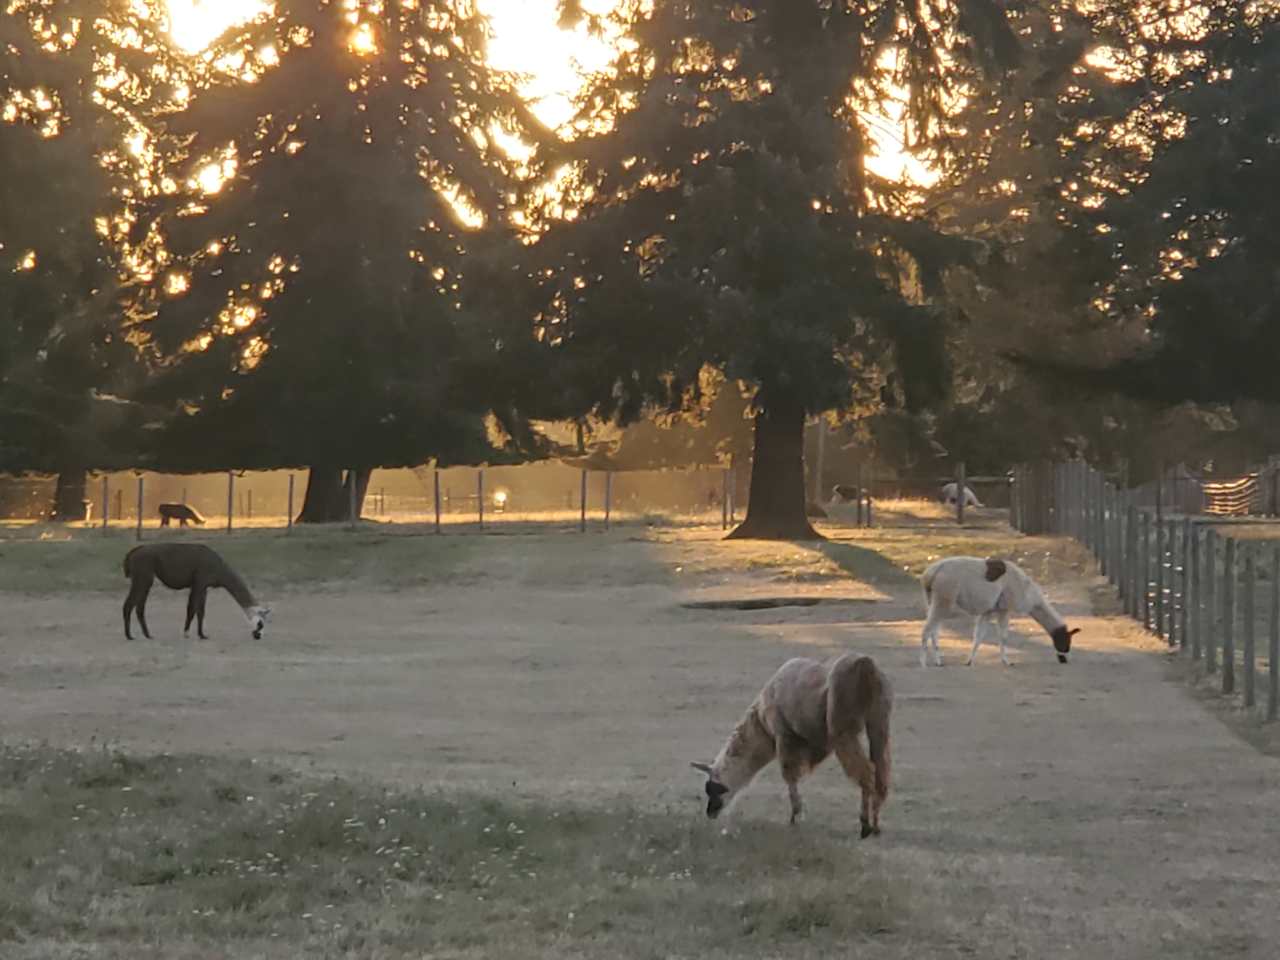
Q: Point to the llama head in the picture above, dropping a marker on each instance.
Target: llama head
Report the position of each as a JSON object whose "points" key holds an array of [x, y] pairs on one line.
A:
{"points": [[259, 617], [718, 795], [1062, 641]]}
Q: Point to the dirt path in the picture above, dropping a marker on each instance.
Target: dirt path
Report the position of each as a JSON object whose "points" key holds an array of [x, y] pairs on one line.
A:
{"points": [[1093, 807]]}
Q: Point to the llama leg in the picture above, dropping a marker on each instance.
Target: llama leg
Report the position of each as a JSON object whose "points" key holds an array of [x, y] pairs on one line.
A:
{"points": [[201, 593], [142, 611], [792, 763], [977, 638], [861, 771], [937, 657], [191, 613], [164, 519], [1002, 622], [932, 624]]}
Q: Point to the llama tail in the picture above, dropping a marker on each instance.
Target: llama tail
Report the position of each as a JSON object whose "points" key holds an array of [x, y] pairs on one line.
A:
{"points": [[127, 557], [927, 582]]}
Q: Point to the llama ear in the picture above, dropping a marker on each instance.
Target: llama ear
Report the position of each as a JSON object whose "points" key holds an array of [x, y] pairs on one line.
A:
{"points": [[1072, 633], [704, 767]]}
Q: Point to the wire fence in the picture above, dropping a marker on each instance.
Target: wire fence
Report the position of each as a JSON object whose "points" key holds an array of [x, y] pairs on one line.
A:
{"points": [[420, 500], [1206, 579]]}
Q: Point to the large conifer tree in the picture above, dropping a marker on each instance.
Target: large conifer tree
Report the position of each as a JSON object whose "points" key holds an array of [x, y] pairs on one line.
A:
{"points": [[722, 216]]}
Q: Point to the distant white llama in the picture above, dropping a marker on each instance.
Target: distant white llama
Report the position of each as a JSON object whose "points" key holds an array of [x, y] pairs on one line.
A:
{"points": [[986, 588], [949, 495]]}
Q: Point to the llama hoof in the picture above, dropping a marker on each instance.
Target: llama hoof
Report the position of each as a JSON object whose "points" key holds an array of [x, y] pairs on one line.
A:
{"points": [[867, 830], [1005, 661], [937, 659], [1062, 658], [924, 661]]}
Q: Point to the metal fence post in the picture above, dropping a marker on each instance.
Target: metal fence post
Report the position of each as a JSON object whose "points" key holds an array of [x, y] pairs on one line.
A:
{"points": [[582, 504], [1210, 635], [106, 503], [1184, 608], [608, 496], [1161, 548], [1144, 569], [140, 482], [480, 496], [1229, 617], [960, 492], [231, 497], [1273, 640], [288, 519], [1246, 614], [1194, 629], [436, 495], [353, 478]]}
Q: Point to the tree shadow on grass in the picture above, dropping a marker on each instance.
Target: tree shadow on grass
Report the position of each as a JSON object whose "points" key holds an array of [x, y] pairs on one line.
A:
{"points": [[866, 566]]}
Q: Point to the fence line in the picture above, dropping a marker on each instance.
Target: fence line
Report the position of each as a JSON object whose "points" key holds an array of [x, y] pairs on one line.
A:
{"points": [[1173, 572]]}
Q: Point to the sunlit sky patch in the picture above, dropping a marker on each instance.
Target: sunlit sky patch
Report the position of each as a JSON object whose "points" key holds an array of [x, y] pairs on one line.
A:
{"points": [[527, 39]]}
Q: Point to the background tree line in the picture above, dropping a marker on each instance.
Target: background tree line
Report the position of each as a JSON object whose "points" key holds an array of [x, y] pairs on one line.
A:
{"points": [[338, 239]]}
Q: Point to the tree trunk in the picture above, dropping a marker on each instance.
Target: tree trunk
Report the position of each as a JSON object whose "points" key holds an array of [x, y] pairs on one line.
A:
{"points": [[362, 476], [776, 503], [69, 496], [323, 497]]}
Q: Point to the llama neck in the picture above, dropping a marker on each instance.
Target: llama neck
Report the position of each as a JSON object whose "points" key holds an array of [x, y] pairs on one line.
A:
{"points": [[1044, 614], [746, 752], [234, 584]]}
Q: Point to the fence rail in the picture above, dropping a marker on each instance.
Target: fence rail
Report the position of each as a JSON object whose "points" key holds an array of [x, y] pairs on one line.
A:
{"points": [[1192, 576]]}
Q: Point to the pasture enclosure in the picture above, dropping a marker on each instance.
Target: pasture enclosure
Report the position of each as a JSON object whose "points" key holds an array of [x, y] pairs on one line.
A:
{"points": [[1201, 573], [455, 686]]}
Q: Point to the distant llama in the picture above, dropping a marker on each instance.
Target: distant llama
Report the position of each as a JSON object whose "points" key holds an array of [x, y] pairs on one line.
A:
{"points": [[180, 512], [186, 566], [986, 588], [807, 711], [949, 495]]}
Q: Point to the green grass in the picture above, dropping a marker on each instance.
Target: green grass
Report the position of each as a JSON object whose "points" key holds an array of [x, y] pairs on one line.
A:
{"points": [[165, 856], [371, 558]]}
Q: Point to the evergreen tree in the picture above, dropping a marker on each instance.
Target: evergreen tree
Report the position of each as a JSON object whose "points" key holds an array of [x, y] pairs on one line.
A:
{"points": [[76, 78], [721, 216], [331, 168]]}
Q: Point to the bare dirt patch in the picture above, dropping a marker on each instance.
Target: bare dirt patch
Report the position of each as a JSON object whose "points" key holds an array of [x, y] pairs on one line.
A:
{"points": [[1037, 808]]}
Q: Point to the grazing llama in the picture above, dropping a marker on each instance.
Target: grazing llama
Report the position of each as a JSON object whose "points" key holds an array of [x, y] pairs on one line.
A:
{"points": [[186, 566], [949, 495], [180, 512], [986, 588], [808, 710]]}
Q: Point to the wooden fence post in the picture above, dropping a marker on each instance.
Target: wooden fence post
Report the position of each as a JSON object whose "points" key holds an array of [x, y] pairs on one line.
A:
{"points": [[231, 497], [960, 492], [140, 482], [1273, 640], [1229, 617], [435, 474], [288, 519], [1210, 635], [1246, 614]]}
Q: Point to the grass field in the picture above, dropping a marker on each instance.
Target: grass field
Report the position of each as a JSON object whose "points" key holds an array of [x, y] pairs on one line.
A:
{"points": [[473, 747]]}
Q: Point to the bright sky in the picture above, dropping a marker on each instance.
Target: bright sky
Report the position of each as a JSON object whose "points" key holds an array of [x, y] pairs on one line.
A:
{"points": [[527, 40]]}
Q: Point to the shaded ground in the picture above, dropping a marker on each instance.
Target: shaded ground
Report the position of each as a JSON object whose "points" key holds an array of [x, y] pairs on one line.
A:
{"points": [[1094, 807]]}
